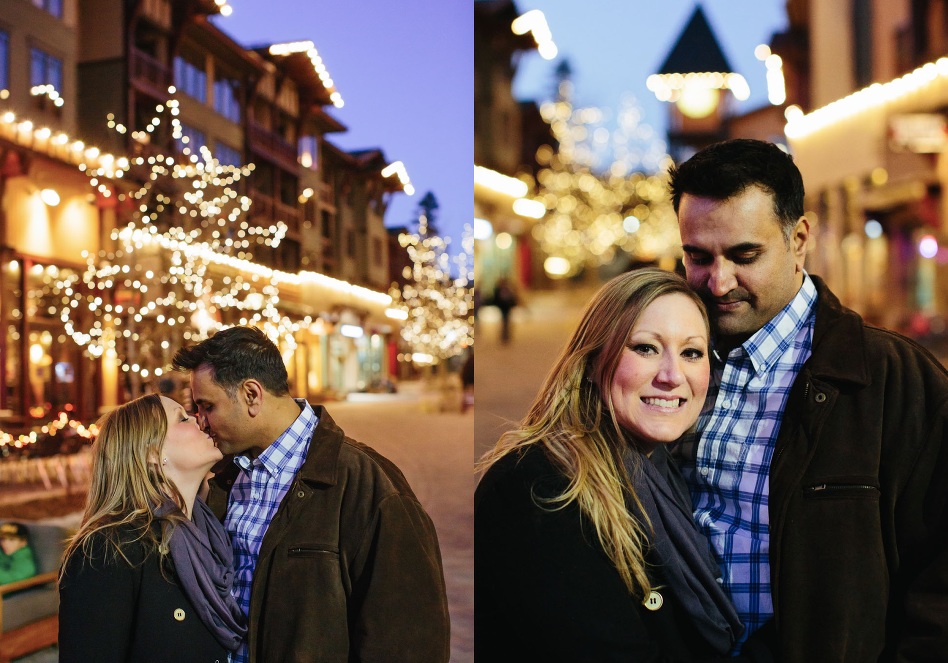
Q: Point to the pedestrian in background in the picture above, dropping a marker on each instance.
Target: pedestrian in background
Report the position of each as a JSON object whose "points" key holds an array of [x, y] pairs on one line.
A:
{"points": [[336, 560], [147, 577], [584, 545], [505, 299], [818, 468]]}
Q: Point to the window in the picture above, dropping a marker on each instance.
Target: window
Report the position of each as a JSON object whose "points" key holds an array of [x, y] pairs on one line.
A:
{"points": [[309, 152], [227, 156], [46, 69], [225, 99], [4, 60], [195, 139], [54, 7], [190, 79]]}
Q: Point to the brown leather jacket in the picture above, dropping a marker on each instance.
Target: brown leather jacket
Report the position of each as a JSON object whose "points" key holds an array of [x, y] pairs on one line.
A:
{"points": [[349, 569], [859, 499]]}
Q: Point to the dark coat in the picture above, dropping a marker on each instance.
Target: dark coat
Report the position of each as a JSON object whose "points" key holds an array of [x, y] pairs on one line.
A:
{"points": [[859, 499], [116, 612], [544, 589], [349, 569]]}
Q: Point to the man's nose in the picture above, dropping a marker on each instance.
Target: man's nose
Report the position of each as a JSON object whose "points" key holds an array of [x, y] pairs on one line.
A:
{"points": [[721, 278]]}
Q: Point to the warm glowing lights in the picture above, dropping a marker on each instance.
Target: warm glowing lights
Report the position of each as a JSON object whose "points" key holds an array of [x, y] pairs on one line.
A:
{"points": [[874, 96], [351, 331], [532, 209], [309, 48], [398, 168], [928, 246], [556, 266], [776, 86], [503, 241], [670, 87], [483, 229], [500, 183], [49, 92], [396, 314], [50, 197], [873, 229], [534, 21]]}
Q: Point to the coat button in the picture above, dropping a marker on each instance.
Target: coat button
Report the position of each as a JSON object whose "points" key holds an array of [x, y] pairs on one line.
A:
{"points": [[654, 601], [301, 494], [179, 614], [820, 397]]}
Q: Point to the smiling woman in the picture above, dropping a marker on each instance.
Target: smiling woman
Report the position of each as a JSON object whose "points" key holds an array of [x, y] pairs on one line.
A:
{"points": [[585, 549]]}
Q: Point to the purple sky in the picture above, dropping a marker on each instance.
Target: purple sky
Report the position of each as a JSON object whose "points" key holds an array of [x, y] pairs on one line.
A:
{"points": [[614, 45], [405, 70]]}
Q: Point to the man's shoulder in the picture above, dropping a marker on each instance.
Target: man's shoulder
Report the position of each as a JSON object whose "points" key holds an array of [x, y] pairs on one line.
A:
{"points": [[369, 465]]}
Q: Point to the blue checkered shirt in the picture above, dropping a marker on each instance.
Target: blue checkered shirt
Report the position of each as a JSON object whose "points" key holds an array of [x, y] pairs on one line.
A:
{"points": [[258, 490], [729, 473]]}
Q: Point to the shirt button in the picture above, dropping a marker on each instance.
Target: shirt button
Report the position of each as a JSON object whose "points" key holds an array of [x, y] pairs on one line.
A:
{"points": [[726, 404], [179, 614], [704, 471]]}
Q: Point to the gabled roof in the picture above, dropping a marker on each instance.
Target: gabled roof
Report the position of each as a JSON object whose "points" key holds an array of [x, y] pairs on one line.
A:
{"points": [[697, 49]]}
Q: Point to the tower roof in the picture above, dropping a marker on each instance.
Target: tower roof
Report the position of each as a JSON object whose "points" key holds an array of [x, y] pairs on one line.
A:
{"points": [[697, 49]]}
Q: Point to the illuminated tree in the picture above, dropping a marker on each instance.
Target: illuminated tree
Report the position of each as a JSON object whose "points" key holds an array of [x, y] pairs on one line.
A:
{"points": [[181, 268], [439, 306], [596, 187]]}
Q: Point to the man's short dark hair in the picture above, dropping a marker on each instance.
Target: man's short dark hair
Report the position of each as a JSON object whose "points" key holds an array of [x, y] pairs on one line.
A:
{"points": [[727, 169], [237, 354]]}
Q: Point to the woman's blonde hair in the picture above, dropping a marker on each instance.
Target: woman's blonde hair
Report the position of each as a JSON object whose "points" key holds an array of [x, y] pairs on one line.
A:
{"points": [[128, 482], [577, 428]]}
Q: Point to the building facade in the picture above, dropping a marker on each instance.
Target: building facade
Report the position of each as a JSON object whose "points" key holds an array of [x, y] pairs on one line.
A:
{"points": [[92, 95]]}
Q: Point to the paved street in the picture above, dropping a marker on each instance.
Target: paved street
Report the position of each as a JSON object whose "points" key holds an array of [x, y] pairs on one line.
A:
{"points": [[508, 376]]}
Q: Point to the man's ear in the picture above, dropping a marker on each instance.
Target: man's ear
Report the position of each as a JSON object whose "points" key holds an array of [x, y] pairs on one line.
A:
{"points": [[250, 395], [799, 240]]}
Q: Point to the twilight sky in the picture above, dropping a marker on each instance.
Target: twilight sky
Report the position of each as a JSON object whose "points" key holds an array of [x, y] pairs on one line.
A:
{"points": [[614, 45], [405, 71]]}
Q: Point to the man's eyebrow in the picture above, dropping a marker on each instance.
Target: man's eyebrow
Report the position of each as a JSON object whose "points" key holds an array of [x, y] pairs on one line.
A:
{"points": [[737, 248]]}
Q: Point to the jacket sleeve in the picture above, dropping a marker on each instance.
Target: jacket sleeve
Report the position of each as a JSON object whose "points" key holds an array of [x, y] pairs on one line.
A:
{"points": [[398, 608], [97, 606], [922, 529]]}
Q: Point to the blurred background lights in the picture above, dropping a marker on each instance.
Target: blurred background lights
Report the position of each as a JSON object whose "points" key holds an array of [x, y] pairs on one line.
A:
{"points": [[556, 266], [482, 229], [928, 246], [503, 241], [873, 229], [631, 224]]}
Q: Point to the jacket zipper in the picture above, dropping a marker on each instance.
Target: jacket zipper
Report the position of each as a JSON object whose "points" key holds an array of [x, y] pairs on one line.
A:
{"points": [[824, 487]]}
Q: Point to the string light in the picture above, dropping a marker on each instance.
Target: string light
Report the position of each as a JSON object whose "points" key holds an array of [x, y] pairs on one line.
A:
{"points": [[438, 309]]}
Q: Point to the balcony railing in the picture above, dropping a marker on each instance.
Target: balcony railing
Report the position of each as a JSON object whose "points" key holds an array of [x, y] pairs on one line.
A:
{"points": [[149, 74], [272, 145]]}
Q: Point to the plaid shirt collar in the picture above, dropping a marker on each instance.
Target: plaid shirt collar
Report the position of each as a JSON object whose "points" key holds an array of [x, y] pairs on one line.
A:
{"points": [[288, 451], [772, 340]]}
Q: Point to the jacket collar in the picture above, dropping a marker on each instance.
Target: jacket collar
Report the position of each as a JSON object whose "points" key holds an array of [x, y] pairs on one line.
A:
{"points": [[321, 461], [839, 344]]}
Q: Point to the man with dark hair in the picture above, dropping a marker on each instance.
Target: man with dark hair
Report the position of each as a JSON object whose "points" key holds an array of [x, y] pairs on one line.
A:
{"points": [[336, 561], [817, 468]]}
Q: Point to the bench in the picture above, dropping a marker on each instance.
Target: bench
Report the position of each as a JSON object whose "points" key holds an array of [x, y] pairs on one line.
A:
{"points": [[29, 609]]}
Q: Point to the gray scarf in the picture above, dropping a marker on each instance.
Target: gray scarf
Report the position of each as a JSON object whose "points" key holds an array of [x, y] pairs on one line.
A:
{"points": [[204, 565], [687, 565]]}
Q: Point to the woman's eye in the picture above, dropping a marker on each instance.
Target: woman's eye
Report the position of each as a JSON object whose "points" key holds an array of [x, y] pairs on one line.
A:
{"points": [[693, 353], [644, 349]]}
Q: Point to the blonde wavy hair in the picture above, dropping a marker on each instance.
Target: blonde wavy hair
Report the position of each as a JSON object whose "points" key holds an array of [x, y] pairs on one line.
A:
{"points": [[128, 482], [577, 428]]}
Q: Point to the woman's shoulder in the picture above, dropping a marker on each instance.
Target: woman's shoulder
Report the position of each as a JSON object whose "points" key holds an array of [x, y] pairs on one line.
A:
{"points": [[121, 545], [521, 474]]}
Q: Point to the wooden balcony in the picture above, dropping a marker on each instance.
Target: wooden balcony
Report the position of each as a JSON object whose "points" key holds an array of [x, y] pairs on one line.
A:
{"points": [[271, 145], [148, 74]]}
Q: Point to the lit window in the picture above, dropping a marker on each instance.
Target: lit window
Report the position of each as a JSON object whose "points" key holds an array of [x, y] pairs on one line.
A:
{"points": [[195, 139], [190, 79], [225, 99], [309, 152], [45, 69], [54, 7], [4, 60], [227, 156]]}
